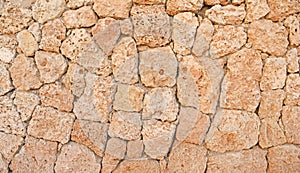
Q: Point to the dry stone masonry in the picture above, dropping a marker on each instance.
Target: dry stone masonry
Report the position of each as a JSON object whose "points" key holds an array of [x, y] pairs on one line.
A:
{"points": [[153, 86]]}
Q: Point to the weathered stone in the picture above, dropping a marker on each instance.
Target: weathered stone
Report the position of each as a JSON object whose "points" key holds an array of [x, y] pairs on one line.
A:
{"points": [[290, 120], [134, 149], [51, 66], [91, 134], [23, 4], [125, 125], [9, 145], [112, 8], [76, 158], [57, 96], [237, 2], [158, 26], [157, 138], [74, 79], [27, 43], [271, 104], [253, 160], [7, 55], [158, 67], [174, 7], [50, 124], [160, 104], [126, 27], [292, 90], [44, 10], [271, 133], [183, 32], [284, 158], [293, 60], [274, 74], [128, 98], [233, 130], [256, 9], [268, 37], [26, 103], [8, 41], [5, 83], [187, 158], [35, 156], [125, 61], [78, 3], [293, 23], [137, 166], [215, 2], [82, 17], [35, 30], [226, 15], [282, 9], [3, 165], [240, 87], [227, 40], [149, 2], [24, 73]]}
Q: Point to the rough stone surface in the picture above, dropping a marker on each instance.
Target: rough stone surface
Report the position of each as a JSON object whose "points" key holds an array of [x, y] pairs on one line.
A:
{"points": [[215, 2], [271, 104], [282, 9], [290, 120], [293, 60], [82, 17], [137, 166], [293, 23], [271, 134], [7, 55], [27, 43], [112, 8], [44, 10], [78, 3], [126, 27], [174, 7], [74, 80], [149, 2], [26, 103], [256, 9], [9, 146], [3, 165], [5, 83], [35, 30], [292, 90], [134, 149]]}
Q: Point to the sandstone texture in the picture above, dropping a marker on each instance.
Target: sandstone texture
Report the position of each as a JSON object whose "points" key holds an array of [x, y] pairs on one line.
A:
{"points": [[83, 17], [27, 43]]}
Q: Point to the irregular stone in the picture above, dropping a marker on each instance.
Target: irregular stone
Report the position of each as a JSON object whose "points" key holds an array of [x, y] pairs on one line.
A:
{"points": [[183, 32], [237, 2], [7, 55], [128, 98], [57, 96], [268, 37], [78, 3], [292, 90], [91, 134], [290, 120], [9, 145], [271, 133], [22, 4], [158, 67], [5, 83], [8, 41], [174, 7], [3, 165], [50, 124], [187, 158], [274, 74], [232, 130], [282, 9], [158, 30], [126, 27], [284, 158], [256, 9], [26, 103], [240, 87], [35, 30], [74, 79], [35, 156], [76, 158], [134, 149], [215, 2], [51, 66], [44, 10], [226, 15], [227, 40], [125, 61], [253, 160], [27, 43], [292, 23], [157, 138], [24, 74], [112, 8], [271, 104], [137, 166], [293, 60], [160, 104], [82, 17], [149, 2]]}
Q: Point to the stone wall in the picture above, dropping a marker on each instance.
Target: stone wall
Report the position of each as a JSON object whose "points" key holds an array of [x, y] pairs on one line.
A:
{"points": [[185, 86]]}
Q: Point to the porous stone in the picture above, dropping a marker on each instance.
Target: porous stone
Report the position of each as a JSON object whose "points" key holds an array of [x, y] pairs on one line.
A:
{"points": [[35, 30], [290, 120], [183, 32], [3, 165], [292, 23], [57, 96], [158, 67], [240, 87], [268, 37], [44, 10], [9, 146], [174, 7], [91, 134], [82, 17], [27, 43], [271, 104], [8, 41], [126, 27], [216, 2], [78, 3], [158, 30], [134, 149], [76, 158], [232, 130], [137, 166], [271, 134], [7, 55], [51, 66], [226, 40], [293, 60], [50, 124], [292, 90], [281, 9], [5, 83], [149, 2], [26, 103], [74, 79], [256, 9], [35, 156], [237, 2], [274, 74], [112, 8]]}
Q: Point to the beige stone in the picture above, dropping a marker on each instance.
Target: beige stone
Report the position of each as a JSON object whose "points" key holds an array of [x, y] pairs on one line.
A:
{"points": [[112, 8], [5, 83], [78, 3], [137, 166], [274, 74], [268, 37], [27, 43], [7, 55], [158, 30], [24, 74], [215, 2], [227, 40], [290, 120], [184, 28], [35, 30], [284, 158], [271, 104], [158, 67], [125, 61], [91, 134], [282, 9], [51, 66], [292, 23], [134, 149], [35, 156], [57, 96], [76, 158], [74, 79], [271, 134], [253, 160], [82, 17], [292, 90], [126, 27], [174, 7], [8, 41], [149, 2], [3, 165], [232, 130], [26, 103], [44, 10], [240, 87], [237, 2], [125, 125], [293, 60], [256, 9], [9, 146], [226, 15]]}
